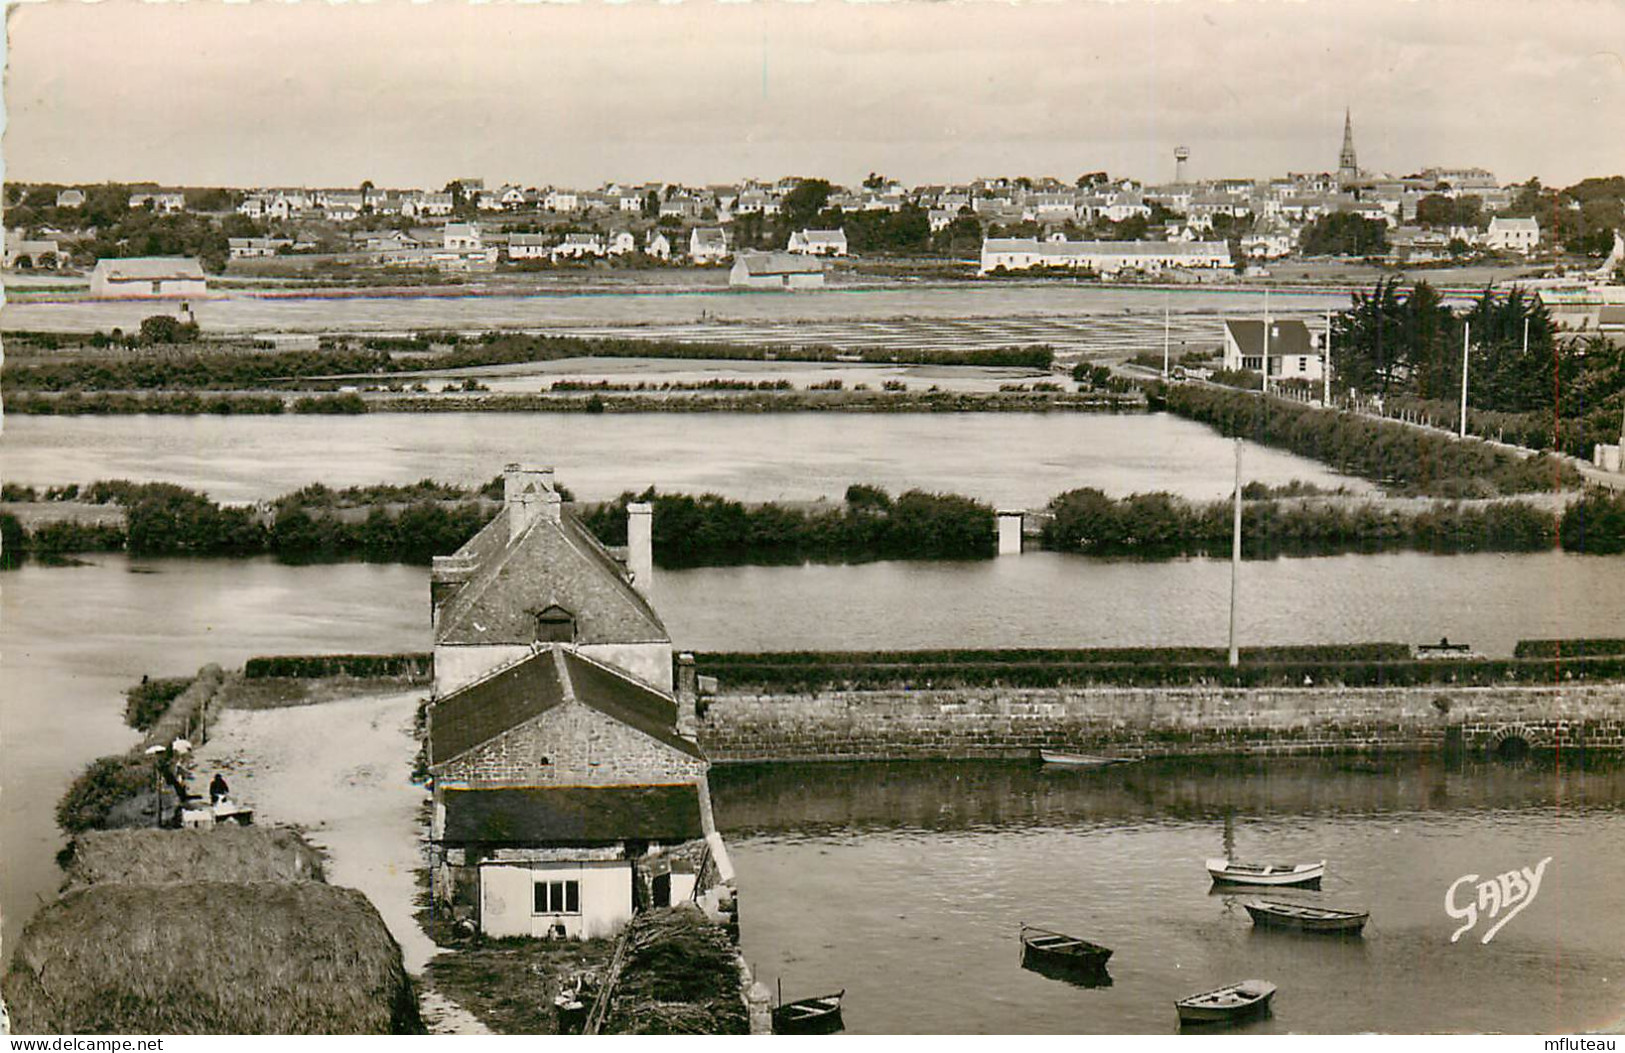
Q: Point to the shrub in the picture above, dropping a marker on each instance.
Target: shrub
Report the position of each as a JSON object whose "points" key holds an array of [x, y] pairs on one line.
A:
{"points": [[106, 783], [146, 702]]}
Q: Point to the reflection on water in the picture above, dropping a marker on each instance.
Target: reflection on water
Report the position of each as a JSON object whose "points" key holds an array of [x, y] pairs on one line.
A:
{"points": [[908, 883], [1014, 460]]}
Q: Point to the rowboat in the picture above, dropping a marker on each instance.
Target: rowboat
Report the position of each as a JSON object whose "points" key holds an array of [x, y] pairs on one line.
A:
{"points": [[1306, 918], [1043, 949], [1233, 872], [1227, 1004], [1081, 760], [809, 1016]]}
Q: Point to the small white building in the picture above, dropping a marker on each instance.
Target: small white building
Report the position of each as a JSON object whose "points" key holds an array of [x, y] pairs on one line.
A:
{"points": [[29, 253], [148, 276], [1292, 349], [166, 202], [1513, 235], [707, 245], [775, 270], [70, 198], [657, 246], [462, 237], [578, 246], [1108, 258], [252, 248], [561, 201], [622, 243], [528, 247], [818, 242]]}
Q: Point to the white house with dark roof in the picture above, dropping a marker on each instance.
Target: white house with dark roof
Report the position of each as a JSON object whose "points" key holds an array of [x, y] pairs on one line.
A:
{"points": [[70, 198], [528, 247], [1293, 350], [148, 277], [818, 242]]}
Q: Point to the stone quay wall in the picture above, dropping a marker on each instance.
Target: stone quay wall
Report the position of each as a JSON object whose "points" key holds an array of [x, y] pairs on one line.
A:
{"points": [[1150, 722]]}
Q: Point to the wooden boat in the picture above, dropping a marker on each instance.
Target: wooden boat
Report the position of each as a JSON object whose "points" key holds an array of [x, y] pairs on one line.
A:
{"points": [[1306, 917], [1045, 948], [1081, 760], [1234, 872], [809, 1016], [1227, 1004]]}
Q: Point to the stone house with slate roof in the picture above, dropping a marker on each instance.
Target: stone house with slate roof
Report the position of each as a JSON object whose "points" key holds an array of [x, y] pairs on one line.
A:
{"points": [[568, 788], [566, 798], [535, 574]]}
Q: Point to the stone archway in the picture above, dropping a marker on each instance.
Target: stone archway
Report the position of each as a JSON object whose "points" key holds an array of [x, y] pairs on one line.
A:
{"points": [[1512, 742]]}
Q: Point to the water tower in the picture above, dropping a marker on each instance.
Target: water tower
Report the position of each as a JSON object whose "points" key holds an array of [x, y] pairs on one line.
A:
{"points": [[1181, 155]]}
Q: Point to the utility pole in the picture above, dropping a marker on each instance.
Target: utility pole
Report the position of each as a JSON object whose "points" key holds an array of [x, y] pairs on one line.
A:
{"points": [[1326, 363], [1266, 363], [1235, 562], [1466, 333], [1165, 296]]}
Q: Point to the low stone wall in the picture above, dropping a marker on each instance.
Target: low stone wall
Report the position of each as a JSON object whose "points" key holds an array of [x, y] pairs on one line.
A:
{"points": [[993, 722]]}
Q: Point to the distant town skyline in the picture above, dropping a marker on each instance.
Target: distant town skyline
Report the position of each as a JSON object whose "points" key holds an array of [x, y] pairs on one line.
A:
{"points": [[415, 95]]}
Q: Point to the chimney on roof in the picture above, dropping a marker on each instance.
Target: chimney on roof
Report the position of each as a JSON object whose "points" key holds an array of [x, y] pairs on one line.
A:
{"points": [[640, 558], [447, 574], [528, 495], [688, 696]]}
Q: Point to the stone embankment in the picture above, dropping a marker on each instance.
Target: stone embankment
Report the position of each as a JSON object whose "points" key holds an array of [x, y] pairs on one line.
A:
{"points": [[1151, 722]]}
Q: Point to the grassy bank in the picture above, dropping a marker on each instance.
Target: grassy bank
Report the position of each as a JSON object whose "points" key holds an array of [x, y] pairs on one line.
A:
{"points": [[1404, 459]]}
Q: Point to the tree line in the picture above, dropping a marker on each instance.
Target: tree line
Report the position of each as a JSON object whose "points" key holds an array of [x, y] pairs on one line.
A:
{"points": [[413, 523]]}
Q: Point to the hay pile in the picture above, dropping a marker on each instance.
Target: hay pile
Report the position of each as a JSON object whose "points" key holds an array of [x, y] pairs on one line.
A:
{"points": [[681, 976], [161, 857], [210, 958]]}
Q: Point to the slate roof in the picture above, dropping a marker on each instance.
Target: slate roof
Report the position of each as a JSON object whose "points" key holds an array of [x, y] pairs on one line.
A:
{"points": [[769, 263], [554, 675], [580, 815], [552, 564], [150, 268], [1287, 337]]}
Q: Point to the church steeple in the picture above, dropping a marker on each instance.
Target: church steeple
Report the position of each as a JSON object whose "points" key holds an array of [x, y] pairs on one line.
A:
{"points": [[1348, 167]]}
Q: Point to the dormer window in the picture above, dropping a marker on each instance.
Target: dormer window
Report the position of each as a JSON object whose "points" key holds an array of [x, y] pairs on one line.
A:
{"points": [[555, 625]]}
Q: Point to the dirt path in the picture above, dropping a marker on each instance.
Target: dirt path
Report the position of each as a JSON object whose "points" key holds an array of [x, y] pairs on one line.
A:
{"points": [[341, 771]]}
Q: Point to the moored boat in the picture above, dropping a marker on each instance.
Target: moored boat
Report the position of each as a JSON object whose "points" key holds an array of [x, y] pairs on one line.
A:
{"points": [[1235, 872], [1306, 917], [1081, 760], [1045, 949], [1228, 1004], [809, 1016]]}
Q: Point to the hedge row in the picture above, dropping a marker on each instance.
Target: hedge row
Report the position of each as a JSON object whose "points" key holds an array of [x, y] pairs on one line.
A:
{"points": [[1404, 458], [877, 676], [1568, 648], [1126, 656], [306, 666]]}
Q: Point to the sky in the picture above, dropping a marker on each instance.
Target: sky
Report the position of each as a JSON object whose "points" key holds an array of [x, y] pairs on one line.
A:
{"points": [[700, 91]]}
